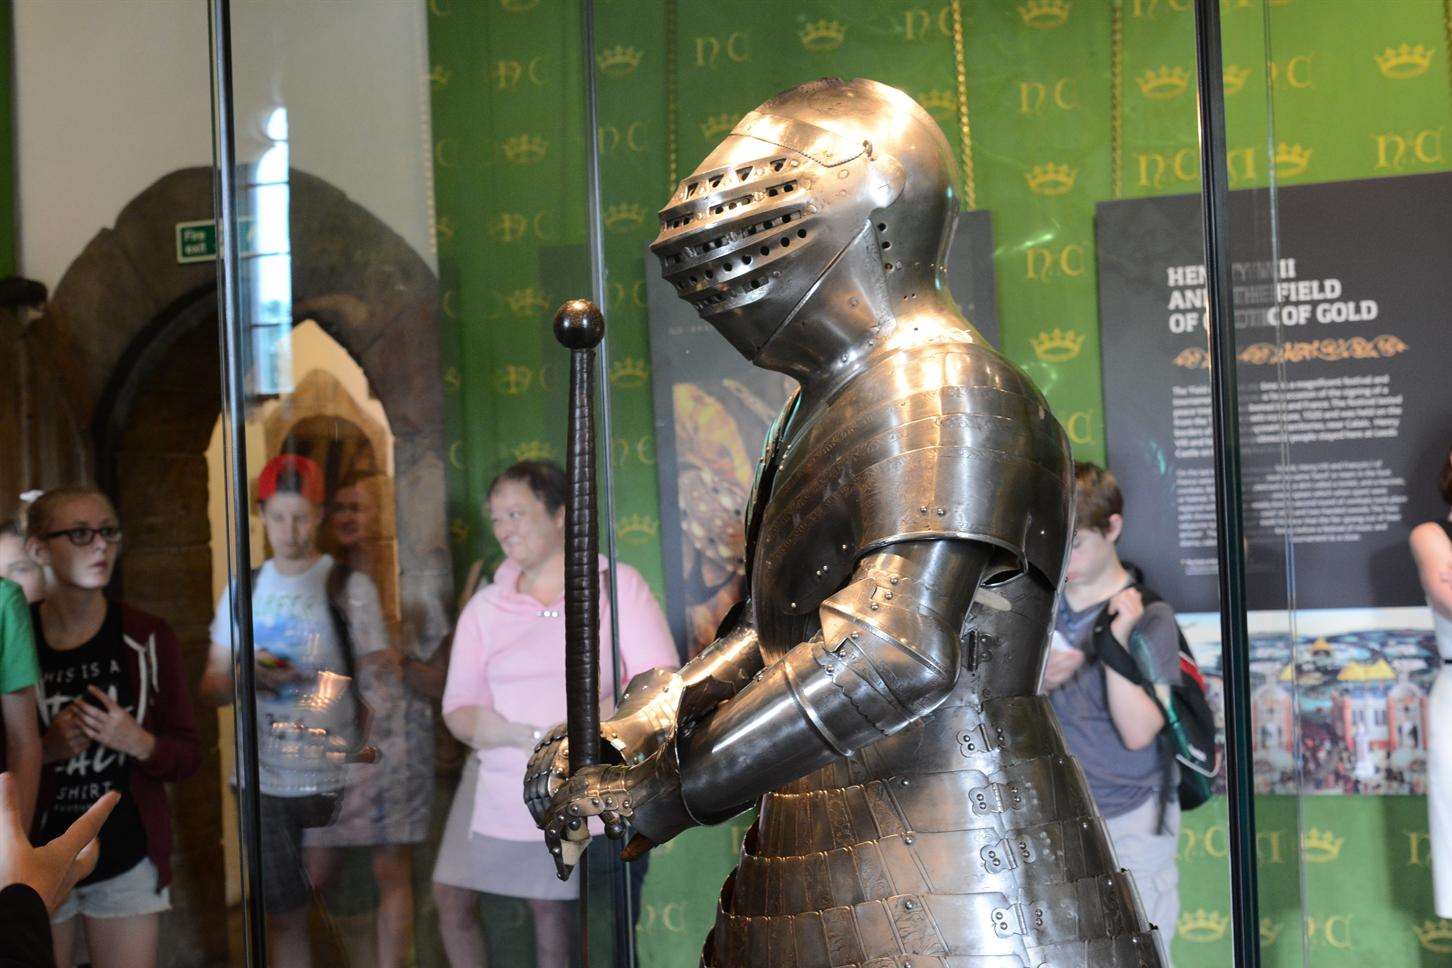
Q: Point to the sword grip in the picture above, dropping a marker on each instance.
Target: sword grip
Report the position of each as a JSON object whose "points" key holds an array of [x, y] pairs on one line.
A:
{"points": [[580, 326]]}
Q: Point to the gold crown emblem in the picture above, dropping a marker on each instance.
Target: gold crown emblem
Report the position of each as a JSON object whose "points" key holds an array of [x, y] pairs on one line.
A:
{"points": [[1163, 83], [1044, 14], [1235, 78], [637, 528], [533, 450], [629, 373], [440, 75], [1292, 160], [1202, 926], [1050, 179], [1404, 61], [1320, 846], [527, 303], [1435, 936], [718, 125], [524, 149], [624, 216], [1057, 345], [618, 61], [823, 35], [1269, 931], [940, 103]]}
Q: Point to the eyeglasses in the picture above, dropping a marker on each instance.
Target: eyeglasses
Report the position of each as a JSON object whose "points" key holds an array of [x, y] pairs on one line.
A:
{"points": [[82, 537]]}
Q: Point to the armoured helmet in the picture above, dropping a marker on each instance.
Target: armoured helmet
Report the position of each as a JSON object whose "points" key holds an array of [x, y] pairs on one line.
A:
{"points": [[851, 180]]}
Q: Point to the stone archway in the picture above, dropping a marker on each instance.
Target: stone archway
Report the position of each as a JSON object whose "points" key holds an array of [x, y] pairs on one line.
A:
{"points": [[132, 334]]}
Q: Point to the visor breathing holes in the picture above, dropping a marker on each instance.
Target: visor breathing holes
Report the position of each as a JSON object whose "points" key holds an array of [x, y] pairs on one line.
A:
{"points": [[801, 233]]}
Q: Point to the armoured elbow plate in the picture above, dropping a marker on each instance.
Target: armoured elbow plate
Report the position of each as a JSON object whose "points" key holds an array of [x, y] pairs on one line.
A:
{"points": [[886, 656]]}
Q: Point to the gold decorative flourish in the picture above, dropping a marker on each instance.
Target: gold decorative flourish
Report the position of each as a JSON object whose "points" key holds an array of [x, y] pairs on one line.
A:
{"points": [[1329, 350], [1269, 931], [1405, 61], [960, 67], [1193, 358], [440, 75], [822, 35]]}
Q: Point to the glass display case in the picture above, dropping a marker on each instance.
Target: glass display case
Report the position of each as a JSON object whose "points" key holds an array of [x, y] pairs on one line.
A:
{"points": [[307, 352]]}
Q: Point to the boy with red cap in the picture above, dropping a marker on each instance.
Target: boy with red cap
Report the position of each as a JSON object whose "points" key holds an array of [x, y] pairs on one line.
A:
{"points": [[313, 621]]}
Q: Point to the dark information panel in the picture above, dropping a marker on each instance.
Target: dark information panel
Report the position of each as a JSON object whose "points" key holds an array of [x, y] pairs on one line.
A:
{"points": [[1343, 345], [712, 411]]}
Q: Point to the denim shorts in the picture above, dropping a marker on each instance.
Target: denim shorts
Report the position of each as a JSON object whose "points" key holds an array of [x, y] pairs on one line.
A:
{"points": [[124, 896]]}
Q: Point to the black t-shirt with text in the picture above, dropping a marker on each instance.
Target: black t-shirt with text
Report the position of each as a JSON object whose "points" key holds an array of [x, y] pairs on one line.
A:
{"points": [[83, 779]]}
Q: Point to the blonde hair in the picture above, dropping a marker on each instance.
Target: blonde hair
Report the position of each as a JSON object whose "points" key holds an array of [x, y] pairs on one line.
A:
{"points": [[40, 516]]}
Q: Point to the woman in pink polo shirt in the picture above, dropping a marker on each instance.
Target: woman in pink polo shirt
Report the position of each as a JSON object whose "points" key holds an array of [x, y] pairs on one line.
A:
{"points": [[506, 685]]}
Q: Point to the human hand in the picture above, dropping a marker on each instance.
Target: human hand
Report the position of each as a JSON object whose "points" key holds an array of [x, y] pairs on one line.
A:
{"points": [[54, 869], [1125, 609], [273, 671], [1062, 665], [65, 737], [113, 727]]}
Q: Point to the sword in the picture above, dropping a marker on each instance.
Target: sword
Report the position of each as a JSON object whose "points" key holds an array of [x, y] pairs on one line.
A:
{"points": [[580, 326]]}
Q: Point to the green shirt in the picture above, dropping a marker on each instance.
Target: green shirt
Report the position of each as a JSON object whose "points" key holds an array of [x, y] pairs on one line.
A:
{"points": [[18, 668]]}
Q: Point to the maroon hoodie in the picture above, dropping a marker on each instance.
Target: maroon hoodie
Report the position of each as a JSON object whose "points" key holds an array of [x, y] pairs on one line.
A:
{"points": [[164, 708]]}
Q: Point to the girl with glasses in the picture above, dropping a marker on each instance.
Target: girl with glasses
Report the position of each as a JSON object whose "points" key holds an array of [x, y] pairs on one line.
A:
{"points": [[114, 715]]}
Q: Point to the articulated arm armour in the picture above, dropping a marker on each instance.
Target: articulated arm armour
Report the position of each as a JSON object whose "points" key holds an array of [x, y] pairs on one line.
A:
{"points": [[657, 702], [887, 654]]}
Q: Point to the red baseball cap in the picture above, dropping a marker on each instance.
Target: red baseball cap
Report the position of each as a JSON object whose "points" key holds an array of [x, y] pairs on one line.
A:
{"points": [[307, 478]]}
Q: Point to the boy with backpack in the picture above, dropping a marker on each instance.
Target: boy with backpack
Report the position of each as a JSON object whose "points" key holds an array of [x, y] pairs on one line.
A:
{"points": [[314, 622], [1114, 676]]}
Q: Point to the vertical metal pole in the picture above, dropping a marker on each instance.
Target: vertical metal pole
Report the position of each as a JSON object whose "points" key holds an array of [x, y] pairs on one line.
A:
{"points": [[625, 915], [235, 460], [1230, 540]]}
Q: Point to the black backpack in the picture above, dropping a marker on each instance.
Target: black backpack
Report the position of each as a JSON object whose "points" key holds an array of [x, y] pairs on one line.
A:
{"points": [[1189, 733]]}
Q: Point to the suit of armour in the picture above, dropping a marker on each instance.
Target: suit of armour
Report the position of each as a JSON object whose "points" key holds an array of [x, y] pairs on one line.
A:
{"points": [[876, 695]]}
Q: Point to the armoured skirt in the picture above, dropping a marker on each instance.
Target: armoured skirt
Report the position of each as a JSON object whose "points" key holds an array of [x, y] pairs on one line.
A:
{"points": [[968, 840]]}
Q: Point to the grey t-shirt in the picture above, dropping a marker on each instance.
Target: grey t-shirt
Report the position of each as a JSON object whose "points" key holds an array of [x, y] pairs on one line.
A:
{"points": [[1120, 778], [290, 619]]}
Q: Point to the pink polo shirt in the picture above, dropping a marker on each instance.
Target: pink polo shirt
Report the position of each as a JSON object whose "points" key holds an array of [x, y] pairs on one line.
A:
{"points": [[509, 657]]}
